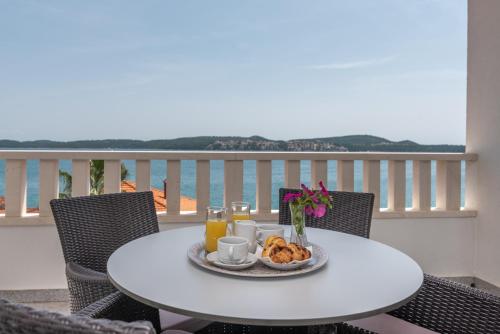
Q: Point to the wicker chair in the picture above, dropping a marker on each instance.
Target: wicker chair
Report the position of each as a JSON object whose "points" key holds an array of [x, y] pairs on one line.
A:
{"points": [[20, 319], [449, 307], [352, 212], [114, 314], [441, 305], [90, 229]]}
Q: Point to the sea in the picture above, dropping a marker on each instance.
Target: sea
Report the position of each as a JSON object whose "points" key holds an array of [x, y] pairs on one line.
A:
{"points": [[188, 179]]}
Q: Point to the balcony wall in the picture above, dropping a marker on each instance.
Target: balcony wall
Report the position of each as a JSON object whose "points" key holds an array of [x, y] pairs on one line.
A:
{"points": [[440, 238], [483, 131]]}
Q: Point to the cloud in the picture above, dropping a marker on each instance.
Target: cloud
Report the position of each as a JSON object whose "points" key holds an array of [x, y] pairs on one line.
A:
{"points": [[353, 64]]}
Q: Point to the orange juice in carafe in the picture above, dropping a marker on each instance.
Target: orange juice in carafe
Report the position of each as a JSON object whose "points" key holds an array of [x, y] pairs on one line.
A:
{"points": [[239, 211], [239, 216], [215, 229]]}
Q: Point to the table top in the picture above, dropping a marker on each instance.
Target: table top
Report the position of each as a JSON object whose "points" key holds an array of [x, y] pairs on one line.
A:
{"points": [[362, 278]]}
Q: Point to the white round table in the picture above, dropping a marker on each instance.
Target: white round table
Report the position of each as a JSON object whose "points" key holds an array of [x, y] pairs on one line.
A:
{"points": [[362, 278]]}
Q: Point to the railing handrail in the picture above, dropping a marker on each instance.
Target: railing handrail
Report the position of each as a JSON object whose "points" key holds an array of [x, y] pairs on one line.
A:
{"points": [[229, 155], [448, 169]]}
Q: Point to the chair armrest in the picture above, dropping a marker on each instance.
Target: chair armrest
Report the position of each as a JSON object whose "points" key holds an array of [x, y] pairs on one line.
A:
{"points": [[117, 306], [81, 273], [86, 286], [105, 308], [449, 307]]}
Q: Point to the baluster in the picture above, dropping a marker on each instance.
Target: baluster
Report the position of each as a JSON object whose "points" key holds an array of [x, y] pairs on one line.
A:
{"points": [[233, 181], [292, 174], [202, 186], [143, 175], [264, 188], [421, 198], [49, 185], [448, 185], [173, 187], [345, 175], [80, 185], [15, 187], [397, 185], [319, 172], [112, 176], [371, 180]]}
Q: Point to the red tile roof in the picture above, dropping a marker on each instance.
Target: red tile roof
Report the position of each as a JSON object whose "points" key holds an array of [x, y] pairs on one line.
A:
{"points": [[127, 186], [187, 203]]}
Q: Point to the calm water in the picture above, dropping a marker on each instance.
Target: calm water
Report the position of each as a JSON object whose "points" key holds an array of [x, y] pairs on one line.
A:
{"points": [[188, 179]]}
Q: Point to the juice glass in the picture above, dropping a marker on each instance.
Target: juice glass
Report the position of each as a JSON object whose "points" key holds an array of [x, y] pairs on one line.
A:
{"points": [[240, 211], [215, 227]]}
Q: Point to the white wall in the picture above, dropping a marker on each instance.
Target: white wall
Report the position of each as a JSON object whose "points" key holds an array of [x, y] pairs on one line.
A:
{"points": [[31, 258], [442, 247], [483, 130]]}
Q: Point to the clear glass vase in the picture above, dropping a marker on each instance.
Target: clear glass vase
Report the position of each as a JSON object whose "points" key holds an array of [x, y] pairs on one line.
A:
{"points": [[298, 228]]}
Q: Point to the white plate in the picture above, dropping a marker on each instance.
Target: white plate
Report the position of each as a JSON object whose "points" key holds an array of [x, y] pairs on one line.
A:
{"points": [[284, 266], [250, 261]]}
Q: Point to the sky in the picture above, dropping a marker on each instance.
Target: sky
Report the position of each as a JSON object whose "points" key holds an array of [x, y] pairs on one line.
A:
{"points": [[282, 69]]}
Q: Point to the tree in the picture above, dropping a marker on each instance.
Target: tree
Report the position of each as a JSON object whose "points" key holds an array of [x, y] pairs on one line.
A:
{"points": [[96, 179]]}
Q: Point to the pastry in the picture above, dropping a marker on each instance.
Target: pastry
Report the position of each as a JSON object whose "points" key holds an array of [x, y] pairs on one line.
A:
{"points": [[299, 253], [275, 240], [279, 251], [270, 250], [283, 256]]}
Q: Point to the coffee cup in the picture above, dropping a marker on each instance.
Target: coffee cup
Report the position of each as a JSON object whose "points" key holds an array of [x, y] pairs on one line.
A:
{"points": [[266, 230], [232, 250], [247, 229]]}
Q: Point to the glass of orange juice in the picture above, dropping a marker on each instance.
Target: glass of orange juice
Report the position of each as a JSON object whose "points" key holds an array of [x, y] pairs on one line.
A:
{"points": [[240, 211], [215, 227]]}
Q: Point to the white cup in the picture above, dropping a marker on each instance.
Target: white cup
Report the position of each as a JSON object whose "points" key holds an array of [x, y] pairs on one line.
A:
{"points": [[232, 250], [247, 229], [266, 230]]}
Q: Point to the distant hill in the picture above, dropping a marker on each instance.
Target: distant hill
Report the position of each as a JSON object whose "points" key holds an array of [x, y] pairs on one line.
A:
{"points": [[354, 143]]}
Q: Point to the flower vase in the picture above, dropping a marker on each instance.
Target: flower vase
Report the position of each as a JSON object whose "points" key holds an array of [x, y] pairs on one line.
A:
{"points": [[298, 234]]}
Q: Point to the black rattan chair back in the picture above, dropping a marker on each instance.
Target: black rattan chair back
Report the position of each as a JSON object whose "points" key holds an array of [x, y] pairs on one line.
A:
{"points": [[445, 306], [91, 228], [351, 213], [21, 319]]}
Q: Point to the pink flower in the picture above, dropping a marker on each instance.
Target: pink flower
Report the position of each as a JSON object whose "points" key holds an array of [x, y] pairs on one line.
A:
{"points": [[324, 191], [309, 210], [307, 190], [315, 199], [290, 197], [320, 211]]}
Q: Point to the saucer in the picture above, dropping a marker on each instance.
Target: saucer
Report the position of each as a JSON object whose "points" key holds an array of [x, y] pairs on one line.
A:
{"points": [[250, 261]]}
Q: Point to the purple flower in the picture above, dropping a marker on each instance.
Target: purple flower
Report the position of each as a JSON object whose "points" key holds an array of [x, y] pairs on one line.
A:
{"points": [[309, 210], [324, 191], [290, 197], [307, 190], [320, 211]]}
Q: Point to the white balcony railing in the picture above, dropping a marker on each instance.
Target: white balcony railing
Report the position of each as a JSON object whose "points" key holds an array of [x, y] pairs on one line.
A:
{"points": [[448, 180]]}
